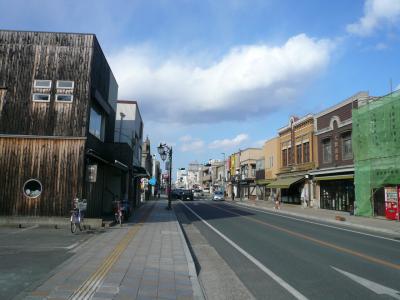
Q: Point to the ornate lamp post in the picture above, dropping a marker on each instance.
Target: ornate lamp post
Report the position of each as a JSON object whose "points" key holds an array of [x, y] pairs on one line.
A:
{"points": [[165, 150]]}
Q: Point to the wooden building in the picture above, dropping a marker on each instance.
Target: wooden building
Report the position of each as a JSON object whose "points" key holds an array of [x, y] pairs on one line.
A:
{"points": [[57, 121], [334, 175], [297, 156]]}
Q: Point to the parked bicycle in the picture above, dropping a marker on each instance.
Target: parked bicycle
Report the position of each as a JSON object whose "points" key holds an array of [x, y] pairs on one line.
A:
{"points": [[77, 214]]}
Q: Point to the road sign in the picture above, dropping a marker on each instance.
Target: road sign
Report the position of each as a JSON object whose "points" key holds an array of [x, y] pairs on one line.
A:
{"points": [[153, 181]]}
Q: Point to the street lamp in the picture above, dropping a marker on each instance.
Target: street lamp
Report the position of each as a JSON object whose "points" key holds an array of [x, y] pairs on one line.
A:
{"points": [[164, 150], [224, 178]]}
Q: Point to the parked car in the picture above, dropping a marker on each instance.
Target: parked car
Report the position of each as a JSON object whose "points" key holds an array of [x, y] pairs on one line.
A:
{"points": [[187, 195], [176, 193], [218, 196], [198, 193]]}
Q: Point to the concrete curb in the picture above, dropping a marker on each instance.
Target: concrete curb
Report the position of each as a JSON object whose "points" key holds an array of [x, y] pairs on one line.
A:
{"points": [[197, 290], [344, 223], [46, 221]]}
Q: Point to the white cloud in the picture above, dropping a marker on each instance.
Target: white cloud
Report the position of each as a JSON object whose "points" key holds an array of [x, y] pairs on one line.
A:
{"points": [[190, 144], [397, 87], [229, 143], [376, 13], [247, 81], [381, 46]]}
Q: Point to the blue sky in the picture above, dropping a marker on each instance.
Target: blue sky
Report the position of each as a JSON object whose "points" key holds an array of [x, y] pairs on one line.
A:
{"points": [[211, 77]]}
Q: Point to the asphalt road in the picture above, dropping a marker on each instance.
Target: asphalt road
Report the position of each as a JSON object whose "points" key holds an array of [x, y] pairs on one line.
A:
{"points": [[278, 257], [28, 256]]}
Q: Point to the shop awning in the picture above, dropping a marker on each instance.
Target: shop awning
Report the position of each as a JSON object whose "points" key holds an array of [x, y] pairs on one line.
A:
{"points": [[140, 172], [337, 177], [263, 181], [285, 183]]}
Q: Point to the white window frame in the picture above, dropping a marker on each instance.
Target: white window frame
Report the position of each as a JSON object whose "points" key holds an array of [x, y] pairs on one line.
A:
{"points": [[33, 97], [41, 87], [60, 101], [65, 88]]}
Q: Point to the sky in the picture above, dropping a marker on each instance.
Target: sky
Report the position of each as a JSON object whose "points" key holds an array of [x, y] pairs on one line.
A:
{"points": [[216, 76]]}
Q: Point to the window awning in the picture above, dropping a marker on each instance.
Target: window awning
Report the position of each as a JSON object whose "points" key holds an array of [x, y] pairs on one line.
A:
{"points": [[285, 183], [264, 181], [140, 172], [337, 177]]}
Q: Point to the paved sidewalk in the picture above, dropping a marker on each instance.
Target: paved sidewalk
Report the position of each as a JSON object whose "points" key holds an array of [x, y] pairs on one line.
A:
{"points": [[380, 225], [145, 259]]}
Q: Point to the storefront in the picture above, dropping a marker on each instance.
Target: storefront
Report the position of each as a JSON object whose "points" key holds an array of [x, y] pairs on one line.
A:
{"points": [[290, 188], [336, 192], [262, 191], [248, 189]]}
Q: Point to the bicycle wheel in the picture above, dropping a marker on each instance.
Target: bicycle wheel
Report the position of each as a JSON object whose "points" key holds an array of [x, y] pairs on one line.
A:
{"points": [[73, 227], [81, 226]]}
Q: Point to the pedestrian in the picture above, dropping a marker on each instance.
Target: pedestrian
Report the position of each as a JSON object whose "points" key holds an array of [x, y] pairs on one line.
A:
{"points": [[278, 199], [303, 197]]}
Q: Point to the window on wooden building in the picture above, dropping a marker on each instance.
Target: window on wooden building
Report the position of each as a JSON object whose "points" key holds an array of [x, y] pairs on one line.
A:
{"points": [[306, 152], [299, 154], [65, 84], [347, 150], [96, 124], [42, 84], [41, 97], [326, 151], [290, 155], [284, 158], [32, 188], [64, 98]]}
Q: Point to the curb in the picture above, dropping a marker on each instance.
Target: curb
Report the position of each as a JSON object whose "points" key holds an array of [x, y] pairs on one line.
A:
{"points": [[344, 223], [197, 290]]}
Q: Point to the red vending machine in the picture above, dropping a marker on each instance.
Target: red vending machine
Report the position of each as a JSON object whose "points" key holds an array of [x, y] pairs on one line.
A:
{"points": [[391, 203], [398, 202]]}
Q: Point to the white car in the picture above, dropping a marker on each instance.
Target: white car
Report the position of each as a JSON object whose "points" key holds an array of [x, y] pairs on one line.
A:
{"points": [[198, 193], [218, 196]]}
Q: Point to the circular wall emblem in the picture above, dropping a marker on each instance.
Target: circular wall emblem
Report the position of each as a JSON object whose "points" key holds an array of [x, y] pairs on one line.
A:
{"points": [[32, 188]]}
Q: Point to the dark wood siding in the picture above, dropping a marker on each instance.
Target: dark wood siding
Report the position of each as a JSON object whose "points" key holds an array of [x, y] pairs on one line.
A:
{"points": [[57, 164], [25, 56], [335, 136], [343, 112]]}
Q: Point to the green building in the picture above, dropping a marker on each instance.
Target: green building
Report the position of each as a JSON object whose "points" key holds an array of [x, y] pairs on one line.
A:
{"points": [[376, 147]]}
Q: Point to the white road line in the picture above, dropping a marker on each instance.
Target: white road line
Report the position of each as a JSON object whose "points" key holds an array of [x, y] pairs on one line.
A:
{"points": [[295, 293], [24, 229], [315, 223], [373, 286], [72, 246]]}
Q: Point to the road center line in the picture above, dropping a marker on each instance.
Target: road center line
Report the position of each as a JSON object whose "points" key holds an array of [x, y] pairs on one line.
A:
{"points": [[315, 223], [263, 268], [323, 243]]}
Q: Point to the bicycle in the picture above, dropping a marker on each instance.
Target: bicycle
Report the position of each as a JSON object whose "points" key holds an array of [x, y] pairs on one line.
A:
{"points": [[77, 213]]}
